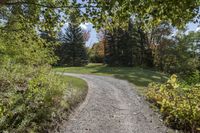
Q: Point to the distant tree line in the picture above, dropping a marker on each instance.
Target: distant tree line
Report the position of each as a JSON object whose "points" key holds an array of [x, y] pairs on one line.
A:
{"points": [[157, 48]]}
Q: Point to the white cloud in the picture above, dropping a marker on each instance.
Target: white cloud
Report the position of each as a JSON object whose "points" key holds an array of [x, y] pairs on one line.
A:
{"points": [[83, 26], [87, 26], [197, 29]]}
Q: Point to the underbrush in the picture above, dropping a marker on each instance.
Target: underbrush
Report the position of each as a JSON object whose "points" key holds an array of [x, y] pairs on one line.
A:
{"points": [[35, 100], [32, 98], [179, 103]]}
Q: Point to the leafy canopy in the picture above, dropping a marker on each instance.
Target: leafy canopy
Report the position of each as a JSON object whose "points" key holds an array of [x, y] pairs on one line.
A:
{"points": [[50, 13]]}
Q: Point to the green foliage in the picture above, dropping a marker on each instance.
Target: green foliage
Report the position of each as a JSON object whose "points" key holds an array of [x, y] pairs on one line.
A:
{"points": [[72, 51], [32, 98], [28, 91], [24, 48], [159, 39], [43, 14], [38, 102], [96, 53], [182, 57], [179, 54], [100, 12], [150, 12], [178, 103], [31, 106], [127, 47], [193, 78]]}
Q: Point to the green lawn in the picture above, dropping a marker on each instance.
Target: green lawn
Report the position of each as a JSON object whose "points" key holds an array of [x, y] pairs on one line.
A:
{"points": [[75, 83], [138, 76]]}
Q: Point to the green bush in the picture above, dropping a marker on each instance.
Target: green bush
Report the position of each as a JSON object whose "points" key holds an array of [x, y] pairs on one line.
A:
{"points": [[179, 104], [194, 78], [32, 98], [30, 103]]}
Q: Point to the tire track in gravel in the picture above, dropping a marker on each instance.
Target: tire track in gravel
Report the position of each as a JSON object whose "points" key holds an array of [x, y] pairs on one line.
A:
{"points": [[112, 106]]}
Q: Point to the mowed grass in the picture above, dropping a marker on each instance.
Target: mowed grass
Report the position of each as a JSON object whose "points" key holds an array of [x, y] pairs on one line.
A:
{"points": [[75, 83], [138, 76]]}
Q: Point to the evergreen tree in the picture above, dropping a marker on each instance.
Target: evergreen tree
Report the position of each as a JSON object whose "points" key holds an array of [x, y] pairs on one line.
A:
{"points": [[134, 44], [128, 47], [72, 51]]}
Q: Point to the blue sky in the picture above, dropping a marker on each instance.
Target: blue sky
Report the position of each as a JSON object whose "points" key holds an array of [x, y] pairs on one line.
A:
{"points": [[93, 34], [192, 26]]}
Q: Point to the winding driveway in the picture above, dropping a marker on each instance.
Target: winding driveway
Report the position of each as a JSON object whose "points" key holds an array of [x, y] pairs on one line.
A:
{"points": [[112, 106]]}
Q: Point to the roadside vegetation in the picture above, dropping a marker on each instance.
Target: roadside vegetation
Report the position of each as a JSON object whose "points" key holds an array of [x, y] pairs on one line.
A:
{"points": [[178, 103], [42, 106], [32, 97]]}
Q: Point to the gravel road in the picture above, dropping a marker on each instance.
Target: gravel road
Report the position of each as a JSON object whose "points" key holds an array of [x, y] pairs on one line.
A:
{"points": [[112, 106]]}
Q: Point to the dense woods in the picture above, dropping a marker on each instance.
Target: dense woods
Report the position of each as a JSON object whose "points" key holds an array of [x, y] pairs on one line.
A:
{"points": [[133, 34], [127, 47]]}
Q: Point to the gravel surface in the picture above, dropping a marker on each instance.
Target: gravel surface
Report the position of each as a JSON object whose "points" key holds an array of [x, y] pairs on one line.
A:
{"points": [[112, 106]]}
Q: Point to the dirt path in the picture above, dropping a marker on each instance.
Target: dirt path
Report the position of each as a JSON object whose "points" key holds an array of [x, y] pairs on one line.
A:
{"points": [[112, 106]]}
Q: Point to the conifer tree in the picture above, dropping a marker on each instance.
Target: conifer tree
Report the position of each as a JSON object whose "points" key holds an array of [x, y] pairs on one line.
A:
{"points": [[127, 47], [72, 51]]}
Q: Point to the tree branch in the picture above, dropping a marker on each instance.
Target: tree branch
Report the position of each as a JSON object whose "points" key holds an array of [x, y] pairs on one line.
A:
{"points": [[43, 5]]}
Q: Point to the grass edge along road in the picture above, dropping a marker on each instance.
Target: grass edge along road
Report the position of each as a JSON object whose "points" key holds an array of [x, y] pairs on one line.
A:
{"points": [[76, 90], [75, 94], [138, 76]]}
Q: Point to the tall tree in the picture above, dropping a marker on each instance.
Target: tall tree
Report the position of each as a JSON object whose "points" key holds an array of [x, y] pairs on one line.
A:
{"points": [[72, 51], [159, 38], [127, 47]]}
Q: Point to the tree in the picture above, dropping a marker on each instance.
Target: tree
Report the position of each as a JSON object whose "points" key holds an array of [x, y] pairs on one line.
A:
{"points": [[72, 51], [159, 38], [118, 12], [96, 53], [182, 57], [127, 47], [46, 13]]}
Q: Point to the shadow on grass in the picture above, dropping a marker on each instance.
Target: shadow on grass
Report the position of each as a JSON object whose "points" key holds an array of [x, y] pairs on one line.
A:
{"points": [[138, 76]]}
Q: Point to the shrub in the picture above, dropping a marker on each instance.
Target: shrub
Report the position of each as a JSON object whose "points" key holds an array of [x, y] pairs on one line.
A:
{"points": [[31, 103], [179, 104], [32, 98], [194, 78]]}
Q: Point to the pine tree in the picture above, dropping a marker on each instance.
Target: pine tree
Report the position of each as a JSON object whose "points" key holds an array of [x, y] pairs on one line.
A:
{"points": [[72, 51], [127, 47], [123, 46]]}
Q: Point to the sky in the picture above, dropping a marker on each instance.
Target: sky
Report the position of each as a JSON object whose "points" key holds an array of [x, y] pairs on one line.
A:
{"points": [[193, 27], [93, 34]]}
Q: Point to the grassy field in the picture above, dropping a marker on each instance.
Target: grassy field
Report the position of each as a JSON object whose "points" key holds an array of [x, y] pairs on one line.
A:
{"points": [[76, 83], [138, 76]]}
